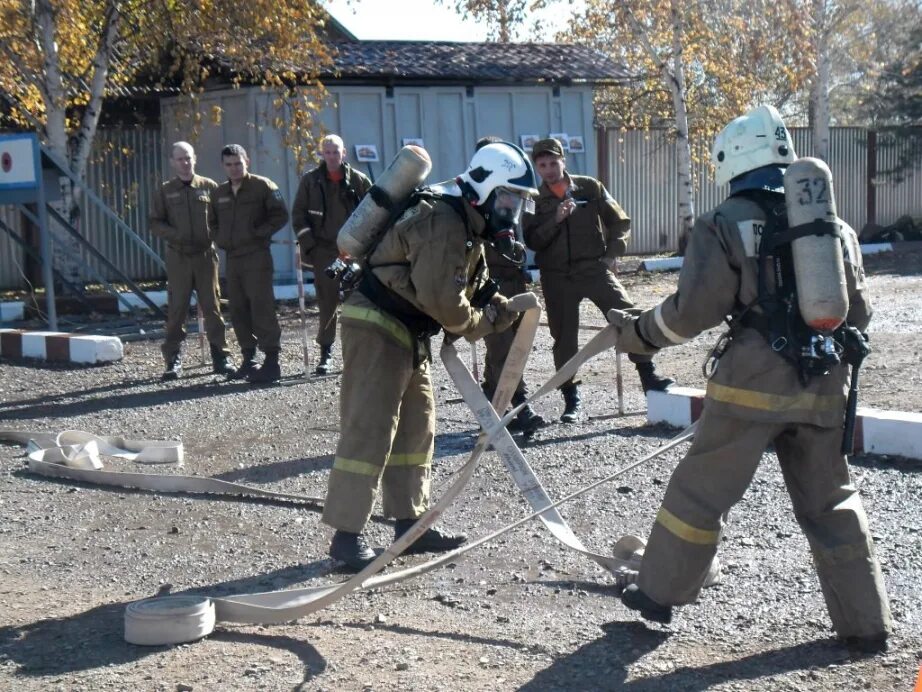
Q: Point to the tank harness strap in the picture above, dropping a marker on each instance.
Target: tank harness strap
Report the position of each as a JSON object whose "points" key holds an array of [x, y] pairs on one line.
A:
{"points": [[420, 325]]}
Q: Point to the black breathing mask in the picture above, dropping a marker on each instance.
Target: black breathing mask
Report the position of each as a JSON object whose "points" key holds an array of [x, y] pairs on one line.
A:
{"points": [[503, 212]]}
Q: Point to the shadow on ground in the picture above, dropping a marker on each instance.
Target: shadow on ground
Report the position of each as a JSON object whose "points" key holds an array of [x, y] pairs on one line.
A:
{"points": [[603, 664], [94, 638]]}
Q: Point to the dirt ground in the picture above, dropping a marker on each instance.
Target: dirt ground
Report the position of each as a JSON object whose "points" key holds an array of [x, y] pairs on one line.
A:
{"points": [[522, 612]]}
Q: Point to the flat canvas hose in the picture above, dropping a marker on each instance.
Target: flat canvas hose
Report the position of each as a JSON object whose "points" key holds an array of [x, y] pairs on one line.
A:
{"points": [[175, 619]]}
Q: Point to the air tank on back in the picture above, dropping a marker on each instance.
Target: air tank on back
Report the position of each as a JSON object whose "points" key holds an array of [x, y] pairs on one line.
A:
{"points": [[819, 269], [403, 175]]}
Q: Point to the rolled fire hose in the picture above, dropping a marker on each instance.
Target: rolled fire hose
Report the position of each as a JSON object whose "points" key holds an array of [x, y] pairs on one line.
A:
{"points": [[176, 619]]}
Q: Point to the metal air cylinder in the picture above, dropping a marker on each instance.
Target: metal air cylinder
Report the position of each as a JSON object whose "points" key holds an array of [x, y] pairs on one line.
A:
{"points": [[403, 175], [819, 269]]}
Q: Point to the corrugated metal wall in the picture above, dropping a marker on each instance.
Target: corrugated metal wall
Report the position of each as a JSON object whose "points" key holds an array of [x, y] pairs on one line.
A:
{"points": [[11, 254], [642, 177], [128, 164], [125, 168], [449, 120]]}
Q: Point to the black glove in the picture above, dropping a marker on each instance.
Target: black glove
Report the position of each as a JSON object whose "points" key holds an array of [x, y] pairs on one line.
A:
{"points": [[483, 295]]}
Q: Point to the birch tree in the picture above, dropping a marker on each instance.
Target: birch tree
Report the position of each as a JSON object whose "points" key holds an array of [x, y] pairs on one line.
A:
{"points": [[696, 65], [503, 18], [61, 59]]}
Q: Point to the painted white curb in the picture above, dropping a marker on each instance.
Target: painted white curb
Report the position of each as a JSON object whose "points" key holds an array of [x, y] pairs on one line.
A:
{"points": [[12, 311], [282, 292], [60, 347], [896, 433], [661, 264]]}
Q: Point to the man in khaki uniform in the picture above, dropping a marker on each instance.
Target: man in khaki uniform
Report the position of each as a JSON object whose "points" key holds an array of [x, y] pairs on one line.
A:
{"points": [[510, 276], [326, 197], [577, 232], [756, 398], [179, 215], [421, 277], [245, 212]]}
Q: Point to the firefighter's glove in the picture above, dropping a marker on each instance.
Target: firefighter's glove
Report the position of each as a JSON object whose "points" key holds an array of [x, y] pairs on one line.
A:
{"points": [[500, 313], [629, 339]]}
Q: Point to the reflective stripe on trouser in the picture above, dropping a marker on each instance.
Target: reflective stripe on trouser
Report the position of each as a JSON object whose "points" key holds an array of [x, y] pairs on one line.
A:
{"points": [[252, 301], [498, 345], [562, 295], [327, 290], [387, 424], [185, 273], [713, 477]]}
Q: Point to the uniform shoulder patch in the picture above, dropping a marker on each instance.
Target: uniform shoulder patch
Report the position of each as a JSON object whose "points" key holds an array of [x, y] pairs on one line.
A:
{"points": [[751, 231], [277, 194]]}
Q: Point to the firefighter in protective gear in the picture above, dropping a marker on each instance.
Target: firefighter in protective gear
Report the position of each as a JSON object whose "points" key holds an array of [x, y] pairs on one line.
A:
{"points": [[511, 277], [577, 232], [245, 212], [424, 275], [326, 197], [756, 398], [179, 215]]}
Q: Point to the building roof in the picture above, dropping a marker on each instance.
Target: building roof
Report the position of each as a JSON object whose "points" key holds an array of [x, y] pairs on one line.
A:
{"points": [[403, 62]]}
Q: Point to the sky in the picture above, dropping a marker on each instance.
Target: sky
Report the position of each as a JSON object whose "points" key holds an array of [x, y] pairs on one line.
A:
{"points": [[422, 20]]}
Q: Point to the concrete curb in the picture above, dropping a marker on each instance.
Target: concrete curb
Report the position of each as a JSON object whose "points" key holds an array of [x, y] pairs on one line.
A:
{"points": [[663, 264], [14, 311], [60, 347], [896, 433], [282, 292]]}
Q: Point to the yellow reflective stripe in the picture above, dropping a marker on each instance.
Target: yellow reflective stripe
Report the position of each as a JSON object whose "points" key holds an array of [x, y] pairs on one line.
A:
{"points": [[362, 468], [418, 459], [376, 317], [774, 402], [664, 328], [686, 532]]}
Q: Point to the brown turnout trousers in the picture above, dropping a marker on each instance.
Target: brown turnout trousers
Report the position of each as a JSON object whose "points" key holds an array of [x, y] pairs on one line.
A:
{"points": [[713, 477], [188, 271]]}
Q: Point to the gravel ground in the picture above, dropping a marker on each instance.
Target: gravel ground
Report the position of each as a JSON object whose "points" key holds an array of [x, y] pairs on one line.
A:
{"points": [[519, 613]]}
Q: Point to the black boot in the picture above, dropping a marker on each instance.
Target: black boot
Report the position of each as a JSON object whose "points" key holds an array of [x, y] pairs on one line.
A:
{"points": [[525, 420], [269, 371], [571, 400], [873, 644], [352, 550], [432, 541], [221, 363], [326, 355], [650, 381], [247, 365], [635, 599], [173, 368]]}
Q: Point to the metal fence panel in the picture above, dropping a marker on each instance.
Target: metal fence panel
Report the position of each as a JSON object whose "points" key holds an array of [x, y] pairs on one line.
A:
{"points": [[124, 169], [12, 257], [642, 177]]}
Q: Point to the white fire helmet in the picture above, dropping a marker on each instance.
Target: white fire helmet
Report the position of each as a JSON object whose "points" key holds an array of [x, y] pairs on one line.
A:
{"points": [[497, 165], [752, 141]]}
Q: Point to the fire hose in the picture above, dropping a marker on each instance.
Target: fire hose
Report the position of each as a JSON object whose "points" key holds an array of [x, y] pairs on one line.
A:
{"points": [[175, 619]]}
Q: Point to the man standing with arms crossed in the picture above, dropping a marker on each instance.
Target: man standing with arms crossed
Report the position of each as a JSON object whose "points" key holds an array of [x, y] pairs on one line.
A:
{"points": [[326, 197], [245, 212], [179, 215], [577, 232]]}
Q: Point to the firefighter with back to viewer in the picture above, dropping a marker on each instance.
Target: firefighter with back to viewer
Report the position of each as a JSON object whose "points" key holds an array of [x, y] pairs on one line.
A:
{"points": [[426, 273], [776, 259]]}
